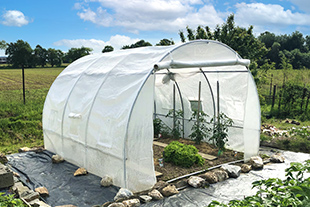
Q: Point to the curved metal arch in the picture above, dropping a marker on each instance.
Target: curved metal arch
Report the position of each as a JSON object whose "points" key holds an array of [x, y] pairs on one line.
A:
{"points": [[127, 126], [67, 100], [212, 95], [182, 104], [205, 41]]}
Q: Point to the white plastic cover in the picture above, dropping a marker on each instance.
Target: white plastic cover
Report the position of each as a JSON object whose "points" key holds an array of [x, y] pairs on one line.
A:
{"points": [[98, 113]]}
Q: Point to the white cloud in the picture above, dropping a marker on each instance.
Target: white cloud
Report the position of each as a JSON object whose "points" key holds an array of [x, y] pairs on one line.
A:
{"points": [[100, 17], [14, 18], [303, 5], [116, 42], [264, 15], [148, 15]]}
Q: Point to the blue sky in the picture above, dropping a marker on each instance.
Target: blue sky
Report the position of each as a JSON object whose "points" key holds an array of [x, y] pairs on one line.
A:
{"points": [[63, 24]]}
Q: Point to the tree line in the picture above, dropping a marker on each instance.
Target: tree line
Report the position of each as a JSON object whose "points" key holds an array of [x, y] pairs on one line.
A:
{"points": [[20, 53], [267, 51]]}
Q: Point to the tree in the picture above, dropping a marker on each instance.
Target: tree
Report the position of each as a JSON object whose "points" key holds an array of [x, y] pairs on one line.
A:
{"points": [[274, 53], [267, 38], [3, 45], [140, 43], [40, 54], [76, 53], [107, 48], [295, 41], [165, 42], [240, 39], [54, 57], [190, 34], [183, 39], [19, 54], [201, 33], [307, 42]]}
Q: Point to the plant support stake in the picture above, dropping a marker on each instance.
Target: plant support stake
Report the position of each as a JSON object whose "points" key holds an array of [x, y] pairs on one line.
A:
{"points": [[218, 112], [198, 110], [174, 119], [23, 76]]}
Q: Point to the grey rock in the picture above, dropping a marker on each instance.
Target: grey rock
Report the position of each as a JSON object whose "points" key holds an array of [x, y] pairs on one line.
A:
{"points": [[169, 190], [24, 149], [123, 193], [80, 171], [210, 177], [106, 204], [30, 195], [181, 184], [156, 195], [160, 185], [19, 188], [277, 158], [256, 162], [66, 206], [38, 203], [196, 181], [221, 175], [3, 158], [57, 159], [246, 168], [132, 202], [42, 191], [116, 205], [232, 170], [6, 177], [145, 198], [106, 181]]}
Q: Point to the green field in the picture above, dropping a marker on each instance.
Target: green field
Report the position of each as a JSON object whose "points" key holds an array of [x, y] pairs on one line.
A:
{"points": [[21, 125], [276, 77]]}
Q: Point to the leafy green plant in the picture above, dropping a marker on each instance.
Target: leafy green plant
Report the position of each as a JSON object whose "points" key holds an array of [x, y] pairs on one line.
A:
{"points": [[220, 132], [292, 191], [177, 125], [157, 124], [10, 201], [199, 129], [182, 155]]}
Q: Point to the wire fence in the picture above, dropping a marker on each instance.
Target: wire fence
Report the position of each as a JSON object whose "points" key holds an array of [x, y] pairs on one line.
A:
{"points": [[286, 100]]}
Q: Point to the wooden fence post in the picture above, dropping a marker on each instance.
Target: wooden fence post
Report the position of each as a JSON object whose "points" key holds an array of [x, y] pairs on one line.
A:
{"points": [[273, 96], [306, 108], [302, 98]]}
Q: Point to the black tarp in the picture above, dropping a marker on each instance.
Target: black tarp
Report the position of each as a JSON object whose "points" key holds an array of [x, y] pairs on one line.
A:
{"points": [[37, 169], [82, 191]]}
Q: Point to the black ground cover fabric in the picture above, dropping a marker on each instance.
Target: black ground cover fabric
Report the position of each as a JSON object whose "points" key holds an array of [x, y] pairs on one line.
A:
{"points": [[82, 191], [37, 169]]}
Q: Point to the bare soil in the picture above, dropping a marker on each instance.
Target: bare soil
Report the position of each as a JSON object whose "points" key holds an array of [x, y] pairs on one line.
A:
{"points": [[171, 171]]}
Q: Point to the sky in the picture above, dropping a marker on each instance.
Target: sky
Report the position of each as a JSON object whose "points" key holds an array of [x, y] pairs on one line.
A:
{"points": [[64, 24]]}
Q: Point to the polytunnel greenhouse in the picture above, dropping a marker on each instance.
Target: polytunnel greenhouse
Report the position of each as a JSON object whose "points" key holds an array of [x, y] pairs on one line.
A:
{"points": [[99, 111]]}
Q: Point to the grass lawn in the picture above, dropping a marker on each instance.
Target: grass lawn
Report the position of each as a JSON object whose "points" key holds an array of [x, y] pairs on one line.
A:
{"points": [[301, 77], [21, 125]]}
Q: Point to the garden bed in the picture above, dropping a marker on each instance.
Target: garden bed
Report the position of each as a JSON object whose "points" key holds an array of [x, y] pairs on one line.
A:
{"points": [[171, 171]]}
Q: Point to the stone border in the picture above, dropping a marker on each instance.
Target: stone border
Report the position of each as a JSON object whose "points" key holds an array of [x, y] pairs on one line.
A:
{"points": [[124, 197]]}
